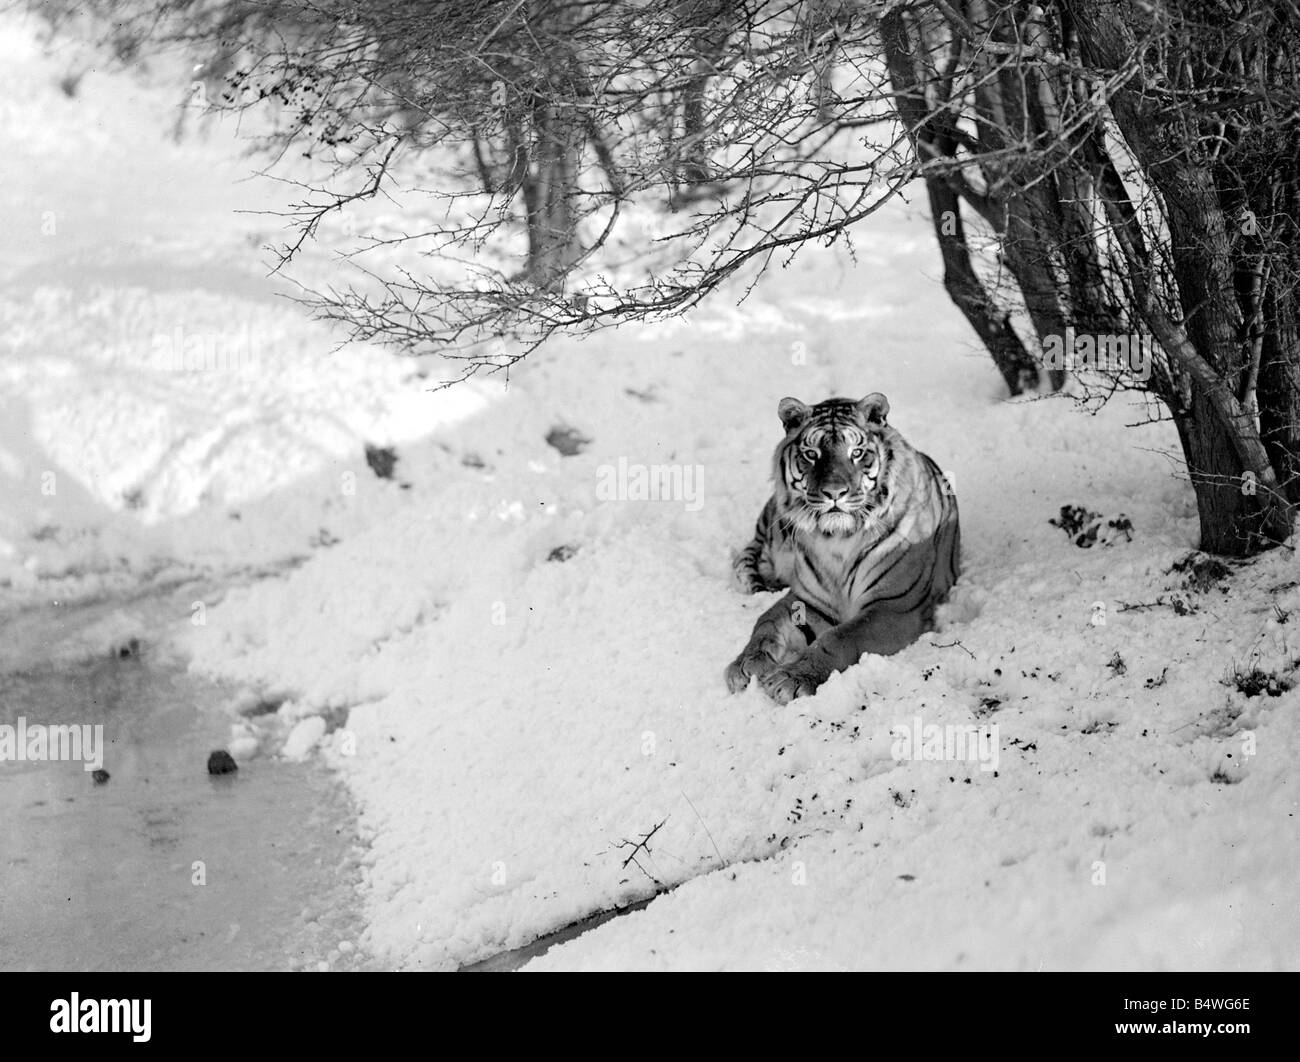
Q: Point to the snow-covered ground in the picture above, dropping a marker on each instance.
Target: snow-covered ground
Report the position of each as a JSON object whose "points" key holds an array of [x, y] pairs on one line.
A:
{"points": [[156, 385], [519, 674]]}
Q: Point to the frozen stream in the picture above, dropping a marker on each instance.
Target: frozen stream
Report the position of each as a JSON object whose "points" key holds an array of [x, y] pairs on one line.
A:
{"points": [[104, 876]]}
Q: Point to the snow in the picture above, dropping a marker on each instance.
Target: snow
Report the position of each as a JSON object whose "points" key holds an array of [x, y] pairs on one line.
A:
{"points": [[303, 738], [520, 676], [167, 385], [516, 719]]}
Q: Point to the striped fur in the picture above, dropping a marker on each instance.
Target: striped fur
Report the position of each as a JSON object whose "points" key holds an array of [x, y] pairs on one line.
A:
{"points": [[863, 532]]}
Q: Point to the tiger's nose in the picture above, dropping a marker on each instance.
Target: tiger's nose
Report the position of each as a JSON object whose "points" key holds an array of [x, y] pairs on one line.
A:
{"points": [[835, 493]]}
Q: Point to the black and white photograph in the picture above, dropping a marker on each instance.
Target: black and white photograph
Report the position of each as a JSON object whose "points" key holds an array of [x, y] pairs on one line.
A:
{"points": [[653, 486]]}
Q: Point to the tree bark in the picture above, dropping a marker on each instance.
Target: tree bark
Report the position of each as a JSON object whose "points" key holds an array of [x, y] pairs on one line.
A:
{"points": [[552, 227], [1236, 487], [990, 322], [1279, 392], [930, 137]]}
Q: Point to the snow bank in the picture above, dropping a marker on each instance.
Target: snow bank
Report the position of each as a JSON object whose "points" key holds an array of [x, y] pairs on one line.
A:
{"points": [[533, 675], [159, 388]]}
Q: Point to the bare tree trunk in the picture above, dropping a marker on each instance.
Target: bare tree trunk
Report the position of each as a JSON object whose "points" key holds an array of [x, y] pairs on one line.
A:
{"points": [[712, 22], [552, 226], [1236, 486], [991, 322], [1007, 120], [1279, 392]]}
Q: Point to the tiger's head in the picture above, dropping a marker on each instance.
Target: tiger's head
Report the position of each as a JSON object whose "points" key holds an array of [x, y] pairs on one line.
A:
{"points": [[832, 467]]}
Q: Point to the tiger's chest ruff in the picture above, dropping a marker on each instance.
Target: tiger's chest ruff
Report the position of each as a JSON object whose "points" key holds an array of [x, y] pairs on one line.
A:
{"points": [[822, 570]]}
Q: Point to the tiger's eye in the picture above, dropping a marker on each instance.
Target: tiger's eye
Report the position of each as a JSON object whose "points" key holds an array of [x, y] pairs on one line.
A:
{"points": [[857, 454], [810, 455]]}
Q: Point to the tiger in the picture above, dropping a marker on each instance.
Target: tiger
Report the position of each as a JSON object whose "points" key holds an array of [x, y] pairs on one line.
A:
{"points": [[862, 531]]}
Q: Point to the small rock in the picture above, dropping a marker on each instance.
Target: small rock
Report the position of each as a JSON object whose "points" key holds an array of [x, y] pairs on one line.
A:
{"points": [[101, 776], [568, 441], [382, 460], [221, 762]]}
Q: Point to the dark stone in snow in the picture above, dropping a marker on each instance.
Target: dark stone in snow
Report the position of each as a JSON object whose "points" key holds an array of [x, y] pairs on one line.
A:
{"points": [[101, 776], [221, 762], [382, 460], [568, 441]]}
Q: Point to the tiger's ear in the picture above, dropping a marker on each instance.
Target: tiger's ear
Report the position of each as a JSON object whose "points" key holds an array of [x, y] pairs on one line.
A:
{"points": [[875, 407], [792, 412]]}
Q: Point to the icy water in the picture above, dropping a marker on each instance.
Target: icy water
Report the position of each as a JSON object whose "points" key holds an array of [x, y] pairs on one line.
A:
{"points": [[163, 866], [515, 959]]}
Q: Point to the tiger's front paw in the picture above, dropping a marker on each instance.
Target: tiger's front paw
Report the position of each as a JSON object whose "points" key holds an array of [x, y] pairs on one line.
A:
{"points": [[784, 684], [749, 581], [749, 664]]}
